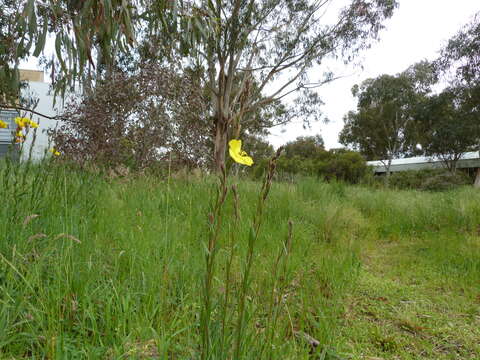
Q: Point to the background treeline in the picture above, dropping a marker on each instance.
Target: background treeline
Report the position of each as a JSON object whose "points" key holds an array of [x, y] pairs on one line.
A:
{"points": [[163, 88], [406, 115], [160, 116], [306, 156]]}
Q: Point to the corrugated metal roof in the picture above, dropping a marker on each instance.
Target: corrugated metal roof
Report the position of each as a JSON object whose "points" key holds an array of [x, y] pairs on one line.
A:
{"points": [[468, 160], [472, 155]]}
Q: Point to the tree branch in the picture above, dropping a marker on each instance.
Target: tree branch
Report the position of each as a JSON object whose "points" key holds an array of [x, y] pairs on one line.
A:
{"points": [[18, 107]]}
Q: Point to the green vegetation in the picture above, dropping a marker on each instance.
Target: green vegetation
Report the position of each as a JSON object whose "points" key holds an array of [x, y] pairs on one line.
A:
{"points": [[384, 125], [427, 180], [113, 268], [407, 114], [306, 156], [105, 260]]}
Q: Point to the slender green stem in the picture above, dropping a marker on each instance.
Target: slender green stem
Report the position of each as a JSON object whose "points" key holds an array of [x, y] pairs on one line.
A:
{"points": [[252, 240], [228, 267], [215, 224]]}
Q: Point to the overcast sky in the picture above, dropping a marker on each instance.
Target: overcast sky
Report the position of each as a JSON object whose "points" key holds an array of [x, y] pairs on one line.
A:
{"points": [[417, 31]]}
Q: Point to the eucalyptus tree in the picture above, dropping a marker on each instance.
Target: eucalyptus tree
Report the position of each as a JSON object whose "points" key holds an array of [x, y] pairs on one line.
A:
{"points": [[74, 27], [449, 128], [461, 55], [460, 63], [384, 126], [273, 44], [84, 34]]}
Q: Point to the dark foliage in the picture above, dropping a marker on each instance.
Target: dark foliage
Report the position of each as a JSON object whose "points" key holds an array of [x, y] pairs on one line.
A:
{"points": [[431, 180], [306, 156], [449, 128], [137, 120], [305, 147], [384, 125]]}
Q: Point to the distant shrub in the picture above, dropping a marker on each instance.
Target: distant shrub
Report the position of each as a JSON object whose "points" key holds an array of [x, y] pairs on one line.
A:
{"points": [[431, 180], [296, 165], [343, 165], [409, 179], [445, 181], [338, 165]]}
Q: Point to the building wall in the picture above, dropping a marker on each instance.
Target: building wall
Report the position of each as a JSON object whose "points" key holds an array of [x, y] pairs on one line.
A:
{"points": [[7, 116], [39, 147], [45, 106]]}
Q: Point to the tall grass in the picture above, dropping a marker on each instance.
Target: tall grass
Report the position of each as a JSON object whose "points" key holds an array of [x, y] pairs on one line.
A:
{"points": [[115, 269]]}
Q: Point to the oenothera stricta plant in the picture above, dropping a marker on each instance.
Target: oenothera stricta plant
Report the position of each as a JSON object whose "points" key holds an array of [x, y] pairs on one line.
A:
{"points": [[223, 337]]}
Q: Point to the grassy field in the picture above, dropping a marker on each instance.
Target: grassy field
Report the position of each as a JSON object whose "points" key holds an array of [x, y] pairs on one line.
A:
{"points": [[115, 269]]}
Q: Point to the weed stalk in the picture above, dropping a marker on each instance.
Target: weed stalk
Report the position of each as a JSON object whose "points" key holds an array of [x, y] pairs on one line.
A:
{"points": [[252, 239], [215, 224], [278, 289], [228, 266]]}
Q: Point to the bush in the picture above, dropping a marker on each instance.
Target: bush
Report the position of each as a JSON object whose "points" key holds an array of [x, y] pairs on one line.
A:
{"points": [[343, 165], [137, 120], [409, 179], [445, 181], [431, 180], [338, 165]]}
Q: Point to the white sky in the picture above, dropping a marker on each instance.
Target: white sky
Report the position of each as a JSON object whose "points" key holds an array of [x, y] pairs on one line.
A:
{"points": [[417, 31]]}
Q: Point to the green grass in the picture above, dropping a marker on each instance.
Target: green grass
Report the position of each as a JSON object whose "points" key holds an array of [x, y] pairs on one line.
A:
{"points": [[372, 274]]}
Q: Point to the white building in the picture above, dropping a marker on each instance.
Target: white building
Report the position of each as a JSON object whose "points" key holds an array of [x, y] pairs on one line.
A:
{"points": [[469, 160]]}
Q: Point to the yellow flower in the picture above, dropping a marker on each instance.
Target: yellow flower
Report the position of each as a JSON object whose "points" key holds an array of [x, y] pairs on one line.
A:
{"points": [[235, 150], [20, 122], [32, 124], [3, 125], [54, 152], [20, 134], [24, 122]]}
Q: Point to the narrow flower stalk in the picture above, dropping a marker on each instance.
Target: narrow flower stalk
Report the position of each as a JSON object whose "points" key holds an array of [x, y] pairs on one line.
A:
{"points": [[254, 233], [278, 289], [228, 267], [215, 224], [30, 153]]}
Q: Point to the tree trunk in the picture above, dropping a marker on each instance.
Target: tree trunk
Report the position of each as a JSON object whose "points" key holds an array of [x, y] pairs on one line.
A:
{"points": [[220, 143], [477, 179], [387, 175], [454, 164]]}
